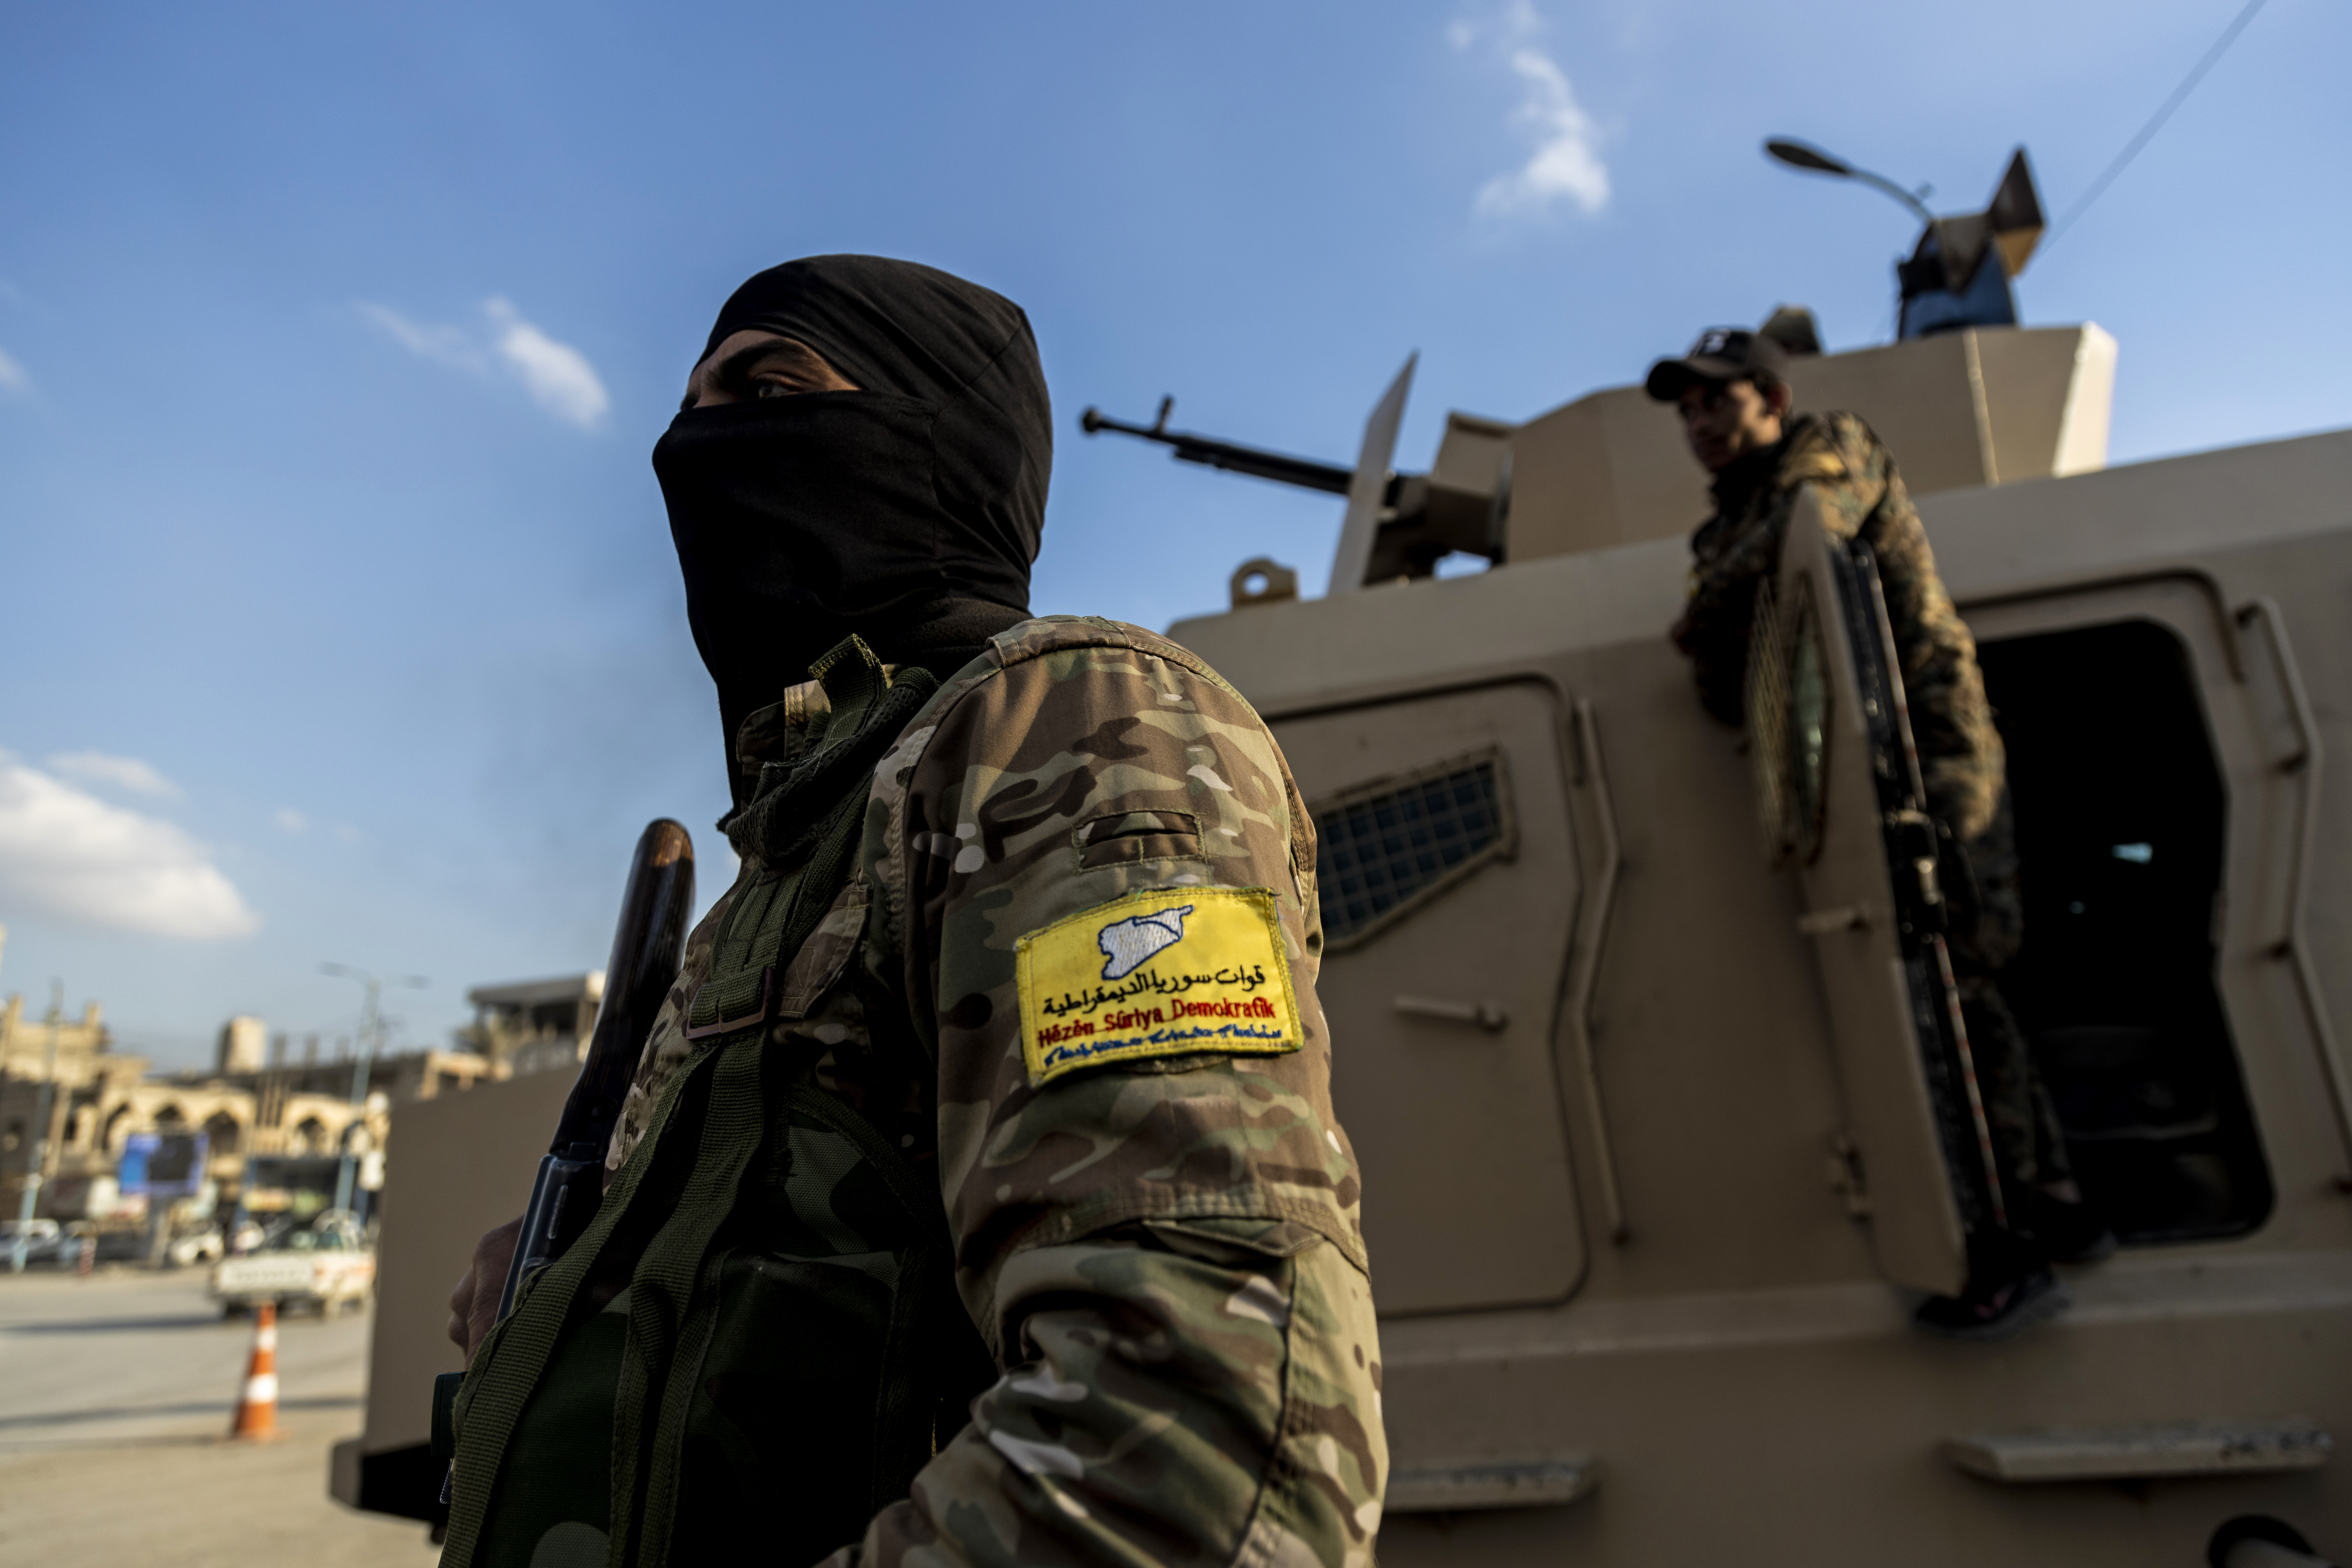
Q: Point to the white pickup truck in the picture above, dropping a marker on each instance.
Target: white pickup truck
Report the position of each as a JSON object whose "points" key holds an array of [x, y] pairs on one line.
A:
{"points": [[325, 1264]]}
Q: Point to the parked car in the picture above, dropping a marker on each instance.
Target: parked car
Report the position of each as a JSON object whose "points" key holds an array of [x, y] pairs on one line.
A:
{"points": [[45, 1242], [196, 1246]]}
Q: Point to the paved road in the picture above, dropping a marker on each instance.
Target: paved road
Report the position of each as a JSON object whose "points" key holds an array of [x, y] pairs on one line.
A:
{"points": [[113, 1393]]}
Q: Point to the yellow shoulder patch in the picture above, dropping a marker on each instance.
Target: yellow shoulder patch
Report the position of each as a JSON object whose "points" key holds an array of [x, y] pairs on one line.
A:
{"points": [[1163, 972]]}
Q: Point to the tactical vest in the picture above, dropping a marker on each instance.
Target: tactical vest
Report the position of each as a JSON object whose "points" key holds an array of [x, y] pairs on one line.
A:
{"points": [[790, 1349]]}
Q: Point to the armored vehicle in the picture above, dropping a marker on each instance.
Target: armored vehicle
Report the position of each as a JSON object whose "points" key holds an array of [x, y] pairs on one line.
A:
{"points": [[1626, 1005], [1652, 1170]]}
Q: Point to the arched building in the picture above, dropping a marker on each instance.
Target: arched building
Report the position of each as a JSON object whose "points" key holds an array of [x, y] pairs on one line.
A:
{"points": [[255, 1102]]}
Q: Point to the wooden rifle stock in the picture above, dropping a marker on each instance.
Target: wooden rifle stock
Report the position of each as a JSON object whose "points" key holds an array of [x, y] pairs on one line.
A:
{"points": [[646, 949]]}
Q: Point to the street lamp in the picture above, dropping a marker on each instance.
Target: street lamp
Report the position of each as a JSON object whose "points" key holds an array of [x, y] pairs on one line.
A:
{"points": [[1944, 286], [371, 1027], [37, 1163], [1813, 160]]}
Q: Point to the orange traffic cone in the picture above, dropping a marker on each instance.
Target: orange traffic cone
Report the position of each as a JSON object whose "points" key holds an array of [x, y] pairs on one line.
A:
{"points": [[256, 1412]]}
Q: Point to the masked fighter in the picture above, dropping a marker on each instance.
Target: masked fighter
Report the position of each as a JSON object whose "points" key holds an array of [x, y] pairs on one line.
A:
{"points": [[979, 1199]]}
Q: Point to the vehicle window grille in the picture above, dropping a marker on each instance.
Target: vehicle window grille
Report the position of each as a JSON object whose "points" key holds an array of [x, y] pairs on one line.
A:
{"points": [[1387, 847]]}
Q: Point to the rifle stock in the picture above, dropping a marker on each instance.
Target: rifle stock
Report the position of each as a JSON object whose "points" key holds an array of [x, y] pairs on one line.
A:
{"points": [[646, 949]]}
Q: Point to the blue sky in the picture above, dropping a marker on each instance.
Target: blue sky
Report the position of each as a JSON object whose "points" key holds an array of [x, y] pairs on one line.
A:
{"points": [[342, 618]]}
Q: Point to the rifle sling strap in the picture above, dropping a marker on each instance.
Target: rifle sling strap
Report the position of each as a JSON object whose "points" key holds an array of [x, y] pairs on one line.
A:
{"points": [[507, 1367], [673, 1302]]}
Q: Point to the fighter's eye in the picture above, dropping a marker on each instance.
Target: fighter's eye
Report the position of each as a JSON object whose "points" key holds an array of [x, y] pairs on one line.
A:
{"points": [[769, 387]]}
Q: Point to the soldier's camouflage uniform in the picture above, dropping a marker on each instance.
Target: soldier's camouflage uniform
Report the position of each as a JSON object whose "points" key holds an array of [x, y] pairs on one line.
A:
{"points": [[1162, 1255], [1962, 762]]}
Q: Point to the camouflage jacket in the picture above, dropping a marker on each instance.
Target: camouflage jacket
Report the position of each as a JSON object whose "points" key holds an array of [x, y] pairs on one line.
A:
{"points": [[1960, 754], [1161, 1248]]}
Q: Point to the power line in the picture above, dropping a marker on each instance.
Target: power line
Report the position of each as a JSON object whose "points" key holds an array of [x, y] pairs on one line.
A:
{"points": [[2155, 121]]}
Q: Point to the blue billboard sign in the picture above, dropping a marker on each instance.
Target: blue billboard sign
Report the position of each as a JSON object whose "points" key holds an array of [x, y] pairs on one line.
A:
{"points": [[161, 1164]]}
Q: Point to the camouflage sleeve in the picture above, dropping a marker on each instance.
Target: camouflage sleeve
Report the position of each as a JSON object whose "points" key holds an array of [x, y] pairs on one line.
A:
{"points": [[1726, 567], [1162, 1250], [1961, 759]]}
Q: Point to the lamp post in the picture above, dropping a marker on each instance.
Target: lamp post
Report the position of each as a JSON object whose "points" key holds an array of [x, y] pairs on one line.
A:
{"points": [[35, 1167], [371, 1026], [1813, 160]]}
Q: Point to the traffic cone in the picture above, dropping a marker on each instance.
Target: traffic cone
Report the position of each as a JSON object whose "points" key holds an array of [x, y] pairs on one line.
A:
{"points": [[256, 1412]]}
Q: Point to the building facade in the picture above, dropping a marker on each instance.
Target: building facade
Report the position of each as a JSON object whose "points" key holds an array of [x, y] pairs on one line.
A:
{"points": [[258, 1101]]}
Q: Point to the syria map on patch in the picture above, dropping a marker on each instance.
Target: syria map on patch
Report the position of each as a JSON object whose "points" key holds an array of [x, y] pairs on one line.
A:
{"points": [[1163, 972]]}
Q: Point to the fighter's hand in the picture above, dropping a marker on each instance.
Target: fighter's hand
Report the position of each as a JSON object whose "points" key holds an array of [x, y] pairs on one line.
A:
{"points": [[473, 1304]]}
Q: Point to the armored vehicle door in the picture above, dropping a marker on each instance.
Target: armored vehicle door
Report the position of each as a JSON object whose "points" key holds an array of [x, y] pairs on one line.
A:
{"points": [[1448, 883], [1837, 800]]}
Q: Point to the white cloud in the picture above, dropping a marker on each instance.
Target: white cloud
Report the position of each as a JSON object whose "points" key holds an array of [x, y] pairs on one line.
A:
{"points": [[290, 820], [12, 375], [1566, 164], [557, 375], [70, 854], [441, 346], [123, 773]]}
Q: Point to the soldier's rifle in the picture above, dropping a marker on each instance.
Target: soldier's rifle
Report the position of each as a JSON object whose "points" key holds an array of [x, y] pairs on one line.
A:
{"points": [[646, 948]]}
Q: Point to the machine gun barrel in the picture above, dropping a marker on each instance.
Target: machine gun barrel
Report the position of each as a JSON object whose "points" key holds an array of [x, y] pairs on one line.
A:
{"points": [[1230, 455]]}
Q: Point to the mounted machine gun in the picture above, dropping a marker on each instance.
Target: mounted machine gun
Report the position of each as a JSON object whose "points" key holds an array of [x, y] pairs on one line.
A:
{"points": [[1398, 525]]}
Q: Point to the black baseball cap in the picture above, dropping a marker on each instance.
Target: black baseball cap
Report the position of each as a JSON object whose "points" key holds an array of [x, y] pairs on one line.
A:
{"points": [[1719, 354]]}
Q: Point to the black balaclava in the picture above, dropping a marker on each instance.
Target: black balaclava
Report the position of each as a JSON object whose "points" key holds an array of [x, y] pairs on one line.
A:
{"points": [[907, 511]]}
